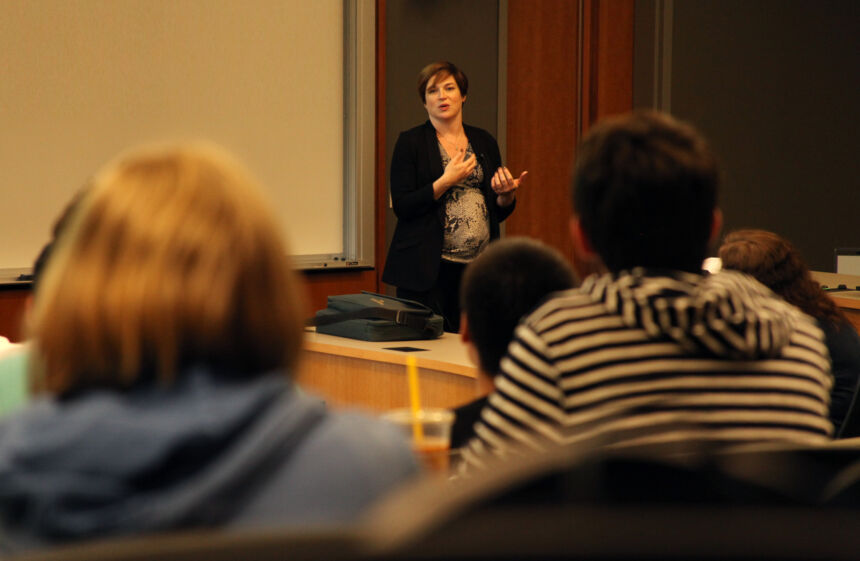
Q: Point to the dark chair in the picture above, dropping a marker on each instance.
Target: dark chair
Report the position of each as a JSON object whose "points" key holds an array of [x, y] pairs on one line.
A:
{"points": [[851, 424], [213, 545], [752, 502]]}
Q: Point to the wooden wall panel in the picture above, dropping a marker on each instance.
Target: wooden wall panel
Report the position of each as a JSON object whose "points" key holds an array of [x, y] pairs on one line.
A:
{"points": [[320, 284], [559, 83], [542, 115], [607, 55], [13, 305]]}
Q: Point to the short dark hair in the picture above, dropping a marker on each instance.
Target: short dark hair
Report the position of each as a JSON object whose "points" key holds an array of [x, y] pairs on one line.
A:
{"points": [[444, 68], [60, 226], [645, 189], [502, 285]]}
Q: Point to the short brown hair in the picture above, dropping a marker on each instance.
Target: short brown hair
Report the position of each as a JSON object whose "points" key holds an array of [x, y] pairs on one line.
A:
{"points": [[443, 69], [173, 260]]}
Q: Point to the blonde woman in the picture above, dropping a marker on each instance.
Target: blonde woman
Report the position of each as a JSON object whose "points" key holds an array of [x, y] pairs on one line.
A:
{"points": [[166, 327]]}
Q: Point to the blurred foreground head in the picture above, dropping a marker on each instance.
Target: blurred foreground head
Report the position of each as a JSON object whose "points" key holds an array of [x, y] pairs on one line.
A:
{"points": [[172, 260], [645, 193]]}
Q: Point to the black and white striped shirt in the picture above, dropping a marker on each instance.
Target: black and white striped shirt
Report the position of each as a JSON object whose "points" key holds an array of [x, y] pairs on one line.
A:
{"points": [[718, 358]]}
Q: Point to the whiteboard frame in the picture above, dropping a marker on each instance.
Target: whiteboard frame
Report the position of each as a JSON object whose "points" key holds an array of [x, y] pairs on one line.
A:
{"points": [[359, 143]]}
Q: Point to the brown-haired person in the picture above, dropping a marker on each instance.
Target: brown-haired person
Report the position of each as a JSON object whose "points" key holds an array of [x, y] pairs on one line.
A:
{"points": [[449, 192], [777, 264], [165, 332]]}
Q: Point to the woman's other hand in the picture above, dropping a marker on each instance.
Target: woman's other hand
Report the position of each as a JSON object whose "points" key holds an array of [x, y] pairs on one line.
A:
{"points": [[457, 169], [505, 186]]}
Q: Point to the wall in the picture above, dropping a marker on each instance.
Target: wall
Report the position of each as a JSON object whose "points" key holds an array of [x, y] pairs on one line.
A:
{"points": [[774, 85], [544, 113]]}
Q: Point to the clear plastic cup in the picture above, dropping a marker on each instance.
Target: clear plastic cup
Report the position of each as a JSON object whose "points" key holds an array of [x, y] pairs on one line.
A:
{"points": [[434, 444]]}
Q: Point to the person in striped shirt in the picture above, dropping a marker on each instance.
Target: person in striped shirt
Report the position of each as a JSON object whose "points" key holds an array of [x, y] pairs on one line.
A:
{"points": [[654, 350]]}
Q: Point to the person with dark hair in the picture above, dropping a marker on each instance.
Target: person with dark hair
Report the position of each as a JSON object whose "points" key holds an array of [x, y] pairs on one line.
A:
{"points": [[777, 264], [500, 287], [60, 226], [449, 192], [655, 351]]}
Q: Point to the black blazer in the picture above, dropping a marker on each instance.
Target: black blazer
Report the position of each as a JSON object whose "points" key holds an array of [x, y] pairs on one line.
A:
{"points": [[416, 248]]}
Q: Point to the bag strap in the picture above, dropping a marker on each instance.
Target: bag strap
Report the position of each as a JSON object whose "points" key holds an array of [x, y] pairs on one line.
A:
{"points": [[418, 319], [419, 307]]}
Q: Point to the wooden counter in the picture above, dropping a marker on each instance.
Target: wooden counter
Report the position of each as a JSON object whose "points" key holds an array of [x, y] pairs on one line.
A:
{"points": [[372, 375], [348, 372]]}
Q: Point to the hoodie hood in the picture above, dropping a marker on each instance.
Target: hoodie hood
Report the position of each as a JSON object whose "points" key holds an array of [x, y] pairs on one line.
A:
{"points": [[728, 314], [108, 463]]}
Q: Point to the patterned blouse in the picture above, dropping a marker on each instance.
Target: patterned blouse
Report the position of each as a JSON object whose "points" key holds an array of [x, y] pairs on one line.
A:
{"points": [[464, 215]]}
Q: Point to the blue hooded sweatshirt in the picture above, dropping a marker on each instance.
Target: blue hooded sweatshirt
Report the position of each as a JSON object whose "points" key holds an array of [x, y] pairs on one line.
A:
{"points": [[203, 452]]}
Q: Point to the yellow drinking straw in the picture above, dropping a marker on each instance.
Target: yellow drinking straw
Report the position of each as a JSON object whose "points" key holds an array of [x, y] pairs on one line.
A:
{"points": [[414, 398]]}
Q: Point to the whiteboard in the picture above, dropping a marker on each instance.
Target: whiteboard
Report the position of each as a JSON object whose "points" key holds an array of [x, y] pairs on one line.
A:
{"points": [[281, 83]]}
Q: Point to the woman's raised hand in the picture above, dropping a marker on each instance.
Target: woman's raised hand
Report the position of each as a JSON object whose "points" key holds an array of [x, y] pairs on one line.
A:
{"points": [[505, 186], [457, 169]]}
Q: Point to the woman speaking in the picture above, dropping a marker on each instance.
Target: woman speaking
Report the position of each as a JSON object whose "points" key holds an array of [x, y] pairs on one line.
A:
{"points": [[449, 191]]}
